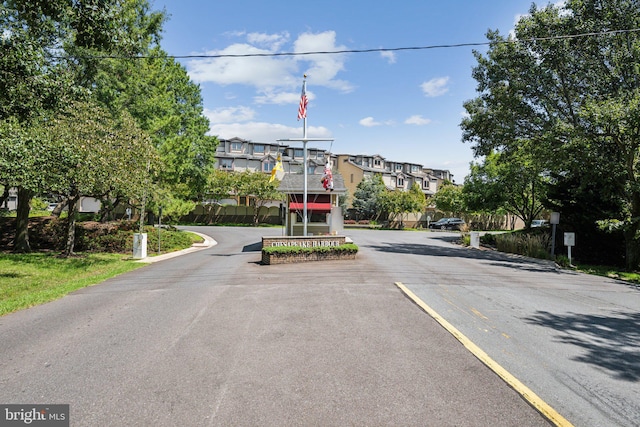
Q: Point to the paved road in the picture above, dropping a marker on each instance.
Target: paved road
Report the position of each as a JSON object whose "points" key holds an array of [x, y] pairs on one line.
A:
{"points": [[572, 338], [214, 338]]}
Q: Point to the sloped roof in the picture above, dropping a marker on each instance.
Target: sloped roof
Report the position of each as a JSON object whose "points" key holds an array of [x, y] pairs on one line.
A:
{"points": [[293, 183]]}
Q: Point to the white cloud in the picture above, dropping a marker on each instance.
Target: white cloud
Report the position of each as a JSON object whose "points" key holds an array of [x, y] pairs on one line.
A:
{"points": [[322, 69], [272, 41], [274, 73], [369, 122], [389, 56], [417, 120], [265, 132], [281, 98], [261, 72], [230, 114], [435, 87]]}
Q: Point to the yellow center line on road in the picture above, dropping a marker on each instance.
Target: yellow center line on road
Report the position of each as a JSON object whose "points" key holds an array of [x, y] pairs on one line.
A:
{"points": [[534, 400], [480, 315]]}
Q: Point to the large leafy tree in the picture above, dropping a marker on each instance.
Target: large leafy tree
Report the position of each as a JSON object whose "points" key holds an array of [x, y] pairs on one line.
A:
{"points": [[449, 199], [256, 186], [36, 79], [514, 184], [400, 203], [571, 97], [80, 139], [367, 198], [158, 93]]}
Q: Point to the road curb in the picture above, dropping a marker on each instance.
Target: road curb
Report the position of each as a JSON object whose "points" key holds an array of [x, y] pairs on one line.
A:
{"points": [[208, 242]]}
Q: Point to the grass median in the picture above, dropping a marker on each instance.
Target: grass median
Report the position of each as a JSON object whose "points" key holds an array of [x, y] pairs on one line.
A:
{"points": [[27, 280]]}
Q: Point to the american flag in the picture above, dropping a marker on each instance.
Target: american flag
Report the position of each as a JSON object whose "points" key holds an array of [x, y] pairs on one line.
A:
{"points": [[302, 109]]}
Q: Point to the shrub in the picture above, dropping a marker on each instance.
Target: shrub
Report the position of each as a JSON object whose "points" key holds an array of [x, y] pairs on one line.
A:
{"points": [[347, 247], [536, 246], [488, 239], [563, 261]]}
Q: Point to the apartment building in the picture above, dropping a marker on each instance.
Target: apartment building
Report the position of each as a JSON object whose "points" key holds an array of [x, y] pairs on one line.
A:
{"points": [[237, 154]]}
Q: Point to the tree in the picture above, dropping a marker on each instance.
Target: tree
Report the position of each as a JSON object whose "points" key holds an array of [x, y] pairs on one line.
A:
{"points": [[572, 100], [47, 59], [220, 185], [256, 185], [158, 93], [94, 154], [449, 199], [514, 184], [366, 198]]}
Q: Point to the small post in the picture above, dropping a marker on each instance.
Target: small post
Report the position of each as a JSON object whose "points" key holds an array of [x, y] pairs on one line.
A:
{"points": [[159, 226], [555, 220], [569, 241]]}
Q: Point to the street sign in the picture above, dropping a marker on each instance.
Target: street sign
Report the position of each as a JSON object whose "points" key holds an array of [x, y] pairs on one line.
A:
{"points": [[569, 239]]}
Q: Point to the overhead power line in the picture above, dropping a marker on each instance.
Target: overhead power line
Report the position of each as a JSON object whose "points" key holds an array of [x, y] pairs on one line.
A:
{"points": [[382, 49]]}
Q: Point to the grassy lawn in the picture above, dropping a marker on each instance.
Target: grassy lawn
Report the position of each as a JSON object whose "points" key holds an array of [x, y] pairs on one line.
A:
{"points": [[611, 272], [31, 279]]}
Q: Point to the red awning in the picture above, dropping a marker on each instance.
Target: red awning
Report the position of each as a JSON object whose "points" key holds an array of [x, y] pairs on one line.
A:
{"points": [[311, 206]]}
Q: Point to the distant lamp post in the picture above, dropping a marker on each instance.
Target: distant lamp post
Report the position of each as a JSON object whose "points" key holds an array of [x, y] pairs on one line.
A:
{"points": [[555, 220]]}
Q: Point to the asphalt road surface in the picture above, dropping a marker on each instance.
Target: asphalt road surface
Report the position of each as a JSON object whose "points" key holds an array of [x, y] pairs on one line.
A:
{"points": [[214, 338]]}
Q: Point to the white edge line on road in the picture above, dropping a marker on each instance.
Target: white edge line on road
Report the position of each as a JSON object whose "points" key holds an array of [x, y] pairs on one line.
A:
{"points": [[533, 399], [208, 242]]}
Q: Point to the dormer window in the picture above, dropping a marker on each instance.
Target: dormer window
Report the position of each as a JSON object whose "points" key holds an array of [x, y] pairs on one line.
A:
{"points": [[236, 147], [258, 149], [268, 165], [377, 163], [398, 167]]}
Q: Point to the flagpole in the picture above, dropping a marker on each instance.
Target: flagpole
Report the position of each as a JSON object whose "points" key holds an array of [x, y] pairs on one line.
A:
{"points": [[302, 114], [304, 161]]}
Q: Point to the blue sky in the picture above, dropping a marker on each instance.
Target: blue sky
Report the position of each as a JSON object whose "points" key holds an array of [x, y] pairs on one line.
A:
{"points": [[405, 106]]}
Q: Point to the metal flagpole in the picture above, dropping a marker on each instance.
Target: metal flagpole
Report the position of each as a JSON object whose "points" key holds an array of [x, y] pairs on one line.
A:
{"points": [[304, 141], [304, 161]]}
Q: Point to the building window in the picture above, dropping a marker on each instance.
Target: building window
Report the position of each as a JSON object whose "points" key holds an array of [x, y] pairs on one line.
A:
{"points": [[268, 166], [226, 164], [352, 178], [415, 168], [311, 169], [298, 153], [319, 155], [398, 167], [400, 182], [236, 147], [377, 163], [258, 149], [425, 184]]}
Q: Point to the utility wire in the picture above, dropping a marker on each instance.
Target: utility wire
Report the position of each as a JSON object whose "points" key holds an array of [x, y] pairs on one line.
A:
{"points": [[382, 49]]}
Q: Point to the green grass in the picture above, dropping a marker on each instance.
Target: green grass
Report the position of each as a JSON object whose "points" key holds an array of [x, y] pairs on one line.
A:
{"points": [[27, 280], [611, 272]]}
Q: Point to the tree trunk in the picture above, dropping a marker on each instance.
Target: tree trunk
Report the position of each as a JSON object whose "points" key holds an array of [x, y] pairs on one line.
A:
{"points": [[71, 226], [21, 244], [5, 195]]}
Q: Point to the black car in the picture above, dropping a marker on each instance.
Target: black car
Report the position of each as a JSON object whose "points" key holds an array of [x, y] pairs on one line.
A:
{"points": [[447, 224]]}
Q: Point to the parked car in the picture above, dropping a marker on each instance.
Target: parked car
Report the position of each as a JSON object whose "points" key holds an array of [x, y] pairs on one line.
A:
{"points": [[539, 223], [51, 206], [447, 224]]}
